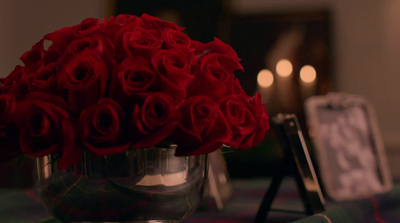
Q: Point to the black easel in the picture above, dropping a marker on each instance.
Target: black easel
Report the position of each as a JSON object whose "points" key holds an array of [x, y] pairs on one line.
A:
{"points": [[296, 162]]}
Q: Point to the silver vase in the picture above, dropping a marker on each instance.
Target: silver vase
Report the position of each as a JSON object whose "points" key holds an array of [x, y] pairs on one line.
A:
{"points": [[140, 185]]}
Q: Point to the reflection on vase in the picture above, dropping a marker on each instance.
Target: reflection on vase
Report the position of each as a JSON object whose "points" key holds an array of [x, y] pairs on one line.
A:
{"points": [[140, 185]]}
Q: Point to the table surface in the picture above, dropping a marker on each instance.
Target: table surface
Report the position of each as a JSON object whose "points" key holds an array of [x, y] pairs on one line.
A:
{"points": [[18, 205]]}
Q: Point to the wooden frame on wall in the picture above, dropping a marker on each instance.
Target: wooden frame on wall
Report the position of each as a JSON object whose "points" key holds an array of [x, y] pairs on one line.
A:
{"points": [[348, 146]]}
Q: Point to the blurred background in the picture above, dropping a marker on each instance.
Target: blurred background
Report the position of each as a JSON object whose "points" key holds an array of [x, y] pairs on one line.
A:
{"points": [[290, 50]]}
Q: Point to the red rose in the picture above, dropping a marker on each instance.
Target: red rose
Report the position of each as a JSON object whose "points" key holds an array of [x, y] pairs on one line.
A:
{"points": [[141, 42], [87, 26], [40, 72], [61, 38], [225, 55], [16, 81], [158, 24], [45, 126], [172, 63], [32, 58], [103, 128], [116, 27], [122, 20], [203, 128], [53, 58], [198, 48], [217, 46], [175, 39], [133, 79], [248, 119], [260, 113], [83, 80], [174, 69], [212, 79], [126, 82], [43, 77], [98, 44], [154, 121], [44, 80]]}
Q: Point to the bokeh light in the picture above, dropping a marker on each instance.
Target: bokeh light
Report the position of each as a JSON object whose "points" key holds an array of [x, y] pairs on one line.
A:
{"points": [[284, 68], [308, 74], [265, 78]]}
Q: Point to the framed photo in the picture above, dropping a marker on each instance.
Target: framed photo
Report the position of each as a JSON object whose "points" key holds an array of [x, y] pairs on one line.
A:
{"points": [[348, 146], [297, 163]]}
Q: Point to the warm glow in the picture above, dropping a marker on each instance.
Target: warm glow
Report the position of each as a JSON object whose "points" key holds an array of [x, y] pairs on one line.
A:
{"points": [[284, 68], [265, 78], [308, 74]]}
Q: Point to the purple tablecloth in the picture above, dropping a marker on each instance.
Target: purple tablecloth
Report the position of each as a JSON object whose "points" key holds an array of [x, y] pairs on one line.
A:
{"points": [[24, 206]]}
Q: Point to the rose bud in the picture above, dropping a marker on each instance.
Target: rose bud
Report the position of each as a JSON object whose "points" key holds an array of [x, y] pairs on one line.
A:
{"points": [[83, 80], [44, 80], [99, 45], [153, 121], [133, 80], [45, 127], [247, 118], [203, 128], [140, 42], [227, 57], [103, 128], [175, 39], [212, 80], [174, 69], [61, 38]]}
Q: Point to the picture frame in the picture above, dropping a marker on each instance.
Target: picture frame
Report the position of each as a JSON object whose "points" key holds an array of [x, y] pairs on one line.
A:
{"points": [[296, 163], [348, 146]]}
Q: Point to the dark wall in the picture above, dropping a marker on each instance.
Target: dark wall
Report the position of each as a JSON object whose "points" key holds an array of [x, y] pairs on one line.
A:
{"points": [[200, 18]]}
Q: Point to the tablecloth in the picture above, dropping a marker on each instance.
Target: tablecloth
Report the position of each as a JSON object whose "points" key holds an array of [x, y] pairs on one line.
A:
{"points": [[23, 205]]}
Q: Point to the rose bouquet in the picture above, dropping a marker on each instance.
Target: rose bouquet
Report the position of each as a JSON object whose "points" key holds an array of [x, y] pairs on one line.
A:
{"points": [[106, 86]]}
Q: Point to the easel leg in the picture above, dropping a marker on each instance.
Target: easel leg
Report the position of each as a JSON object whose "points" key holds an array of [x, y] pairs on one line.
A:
{"points": [[311, 200], [269, 198]]}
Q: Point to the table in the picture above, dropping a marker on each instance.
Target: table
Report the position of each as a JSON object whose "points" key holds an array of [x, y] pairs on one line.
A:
{"points": [[20, 206]]}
